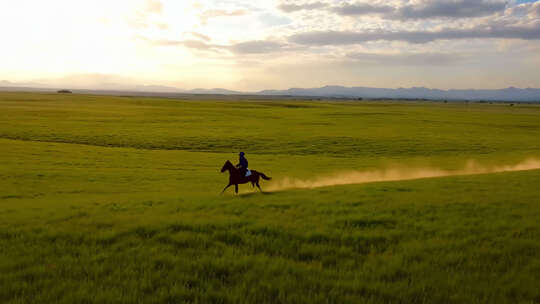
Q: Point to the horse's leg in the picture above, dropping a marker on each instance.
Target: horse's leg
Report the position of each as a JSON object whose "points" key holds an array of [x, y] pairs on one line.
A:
{"points": [[253, 184], [236, 188], [257, 183], [225, 188]]}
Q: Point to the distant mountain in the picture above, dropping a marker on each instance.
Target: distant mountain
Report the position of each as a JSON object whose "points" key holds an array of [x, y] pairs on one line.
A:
{"points": [[5, 83], [155, 88], [508, 94], [218, 91]]}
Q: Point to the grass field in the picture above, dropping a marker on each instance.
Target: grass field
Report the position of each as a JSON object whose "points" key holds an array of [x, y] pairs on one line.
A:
{"points": [[116, 200]]}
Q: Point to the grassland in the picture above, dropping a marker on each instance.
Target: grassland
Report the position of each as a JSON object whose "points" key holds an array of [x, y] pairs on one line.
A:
{"points": [[115, 200]]}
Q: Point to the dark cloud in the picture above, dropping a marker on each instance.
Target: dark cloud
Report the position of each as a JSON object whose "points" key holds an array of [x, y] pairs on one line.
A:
{"points": [[290, 7], [413, 59], [450, 9], [349, 37], [426, 10]]}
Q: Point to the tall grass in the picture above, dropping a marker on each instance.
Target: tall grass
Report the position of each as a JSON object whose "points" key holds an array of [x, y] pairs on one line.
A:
{"points": [[116, 200]]}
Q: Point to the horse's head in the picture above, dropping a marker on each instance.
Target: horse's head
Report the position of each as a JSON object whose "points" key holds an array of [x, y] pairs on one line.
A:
{"points": [[226, 166]]}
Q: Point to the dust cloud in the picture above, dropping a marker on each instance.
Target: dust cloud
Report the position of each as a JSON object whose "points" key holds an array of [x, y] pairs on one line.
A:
{"points": [[395, 174]]}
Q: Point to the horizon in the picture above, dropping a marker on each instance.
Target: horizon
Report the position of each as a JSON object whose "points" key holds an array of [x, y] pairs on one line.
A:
{"points": [[250, 46], [4, 83]]}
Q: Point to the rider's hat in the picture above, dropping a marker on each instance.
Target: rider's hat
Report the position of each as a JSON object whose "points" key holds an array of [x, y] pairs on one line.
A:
{"points": [[241, 153]]}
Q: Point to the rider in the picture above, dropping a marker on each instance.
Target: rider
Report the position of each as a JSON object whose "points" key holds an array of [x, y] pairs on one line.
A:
{"points": [[243, 164]]}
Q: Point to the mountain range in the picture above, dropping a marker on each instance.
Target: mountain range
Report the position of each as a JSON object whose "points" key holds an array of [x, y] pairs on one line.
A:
{"points": [[507, 94]]}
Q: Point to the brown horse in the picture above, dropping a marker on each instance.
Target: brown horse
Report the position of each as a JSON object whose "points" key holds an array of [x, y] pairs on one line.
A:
{"points": [[235, 177]]}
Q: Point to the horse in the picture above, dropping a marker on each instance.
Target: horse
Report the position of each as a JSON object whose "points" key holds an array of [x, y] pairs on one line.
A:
{"points": [[236, 178]]}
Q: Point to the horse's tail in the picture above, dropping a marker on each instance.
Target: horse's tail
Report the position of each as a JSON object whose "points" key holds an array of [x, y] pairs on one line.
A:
{"points": [[264, 176]]}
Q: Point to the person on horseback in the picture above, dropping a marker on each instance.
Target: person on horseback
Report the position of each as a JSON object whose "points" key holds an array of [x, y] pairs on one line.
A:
{"points": [[243, 165], [238, 177]]}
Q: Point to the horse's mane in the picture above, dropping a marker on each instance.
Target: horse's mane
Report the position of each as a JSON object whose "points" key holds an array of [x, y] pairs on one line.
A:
{"points": [[228, 163]]}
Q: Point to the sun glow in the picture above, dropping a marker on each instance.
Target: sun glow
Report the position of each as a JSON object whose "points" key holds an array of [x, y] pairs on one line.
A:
{"points": [[60, 37]]}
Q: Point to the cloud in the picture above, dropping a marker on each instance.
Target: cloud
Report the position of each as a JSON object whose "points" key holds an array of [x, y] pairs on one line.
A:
{"points": [[535, 8], [407, 59], [426, 9], [256, 47], [188, 43], [214, 13], [145, 16], [154, 6], [197, 44], [162, 26], [352, 37], [201, 36], [291, 7], [362, 9], [451, 9], [274, 20], [241, 48]]}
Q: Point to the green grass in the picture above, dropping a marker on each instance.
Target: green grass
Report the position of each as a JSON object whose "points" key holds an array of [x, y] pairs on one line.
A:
{"points": [[115, 200]]}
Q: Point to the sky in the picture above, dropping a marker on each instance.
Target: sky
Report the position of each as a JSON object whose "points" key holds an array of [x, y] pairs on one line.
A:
{"points": [[254, 44]]}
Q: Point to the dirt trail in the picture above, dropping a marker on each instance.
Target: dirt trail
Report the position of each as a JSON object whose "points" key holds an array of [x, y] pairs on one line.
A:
{"points": [[396, 174]]}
